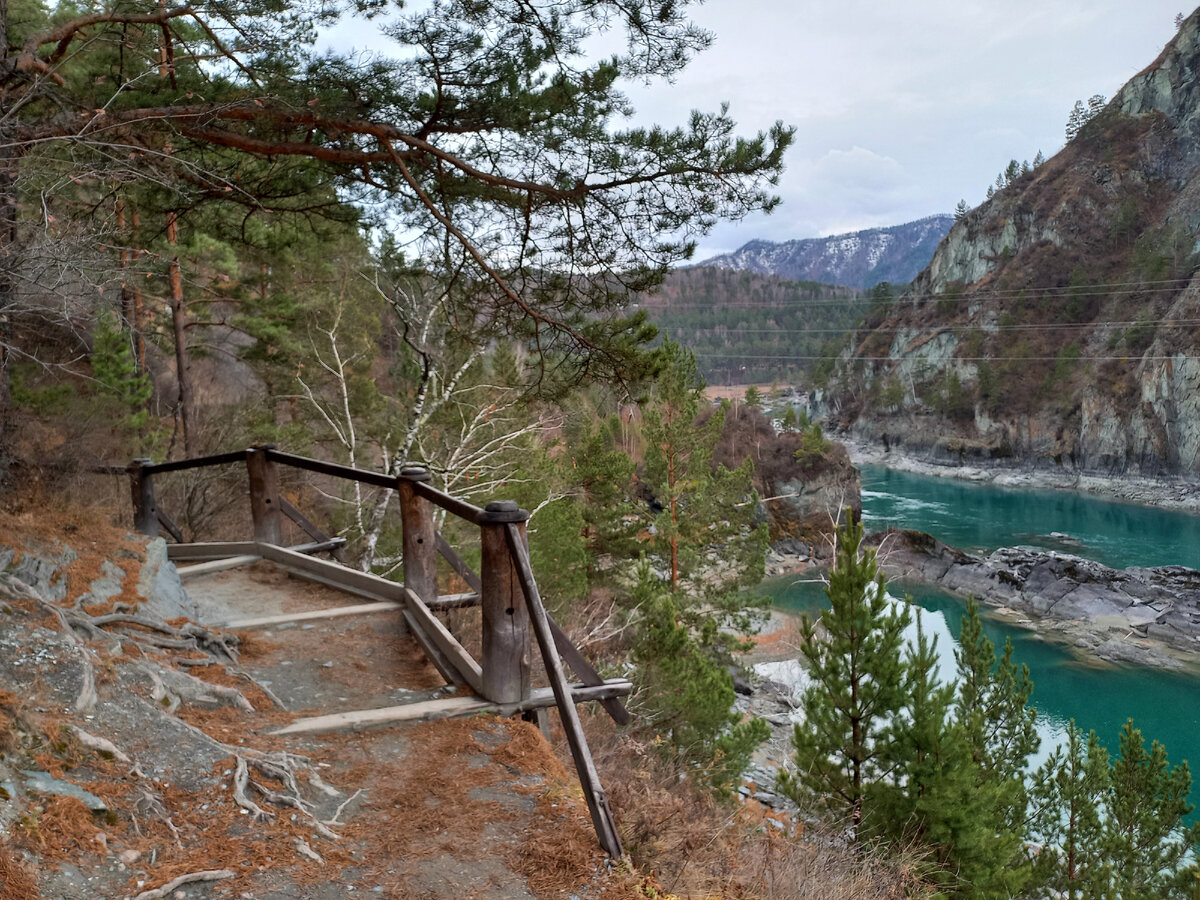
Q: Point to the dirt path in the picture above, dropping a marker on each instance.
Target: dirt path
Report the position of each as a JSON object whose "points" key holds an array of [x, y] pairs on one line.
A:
{"points": [[453, 809]]}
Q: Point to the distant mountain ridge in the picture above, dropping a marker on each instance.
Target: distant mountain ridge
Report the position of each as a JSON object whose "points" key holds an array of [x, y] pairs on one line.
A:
{"points": [[859, 259]]}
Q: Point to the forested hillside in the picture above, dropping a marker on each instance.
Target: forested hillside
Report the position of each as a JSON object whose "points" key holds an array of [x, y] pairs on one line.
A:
{"points": [[748, 328]]}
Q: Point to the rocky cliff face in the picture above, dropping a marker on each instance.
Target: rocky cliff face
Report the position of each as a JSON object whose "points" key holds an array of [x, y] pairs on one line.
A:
{"points": [[861, 259], [1058, 323]]}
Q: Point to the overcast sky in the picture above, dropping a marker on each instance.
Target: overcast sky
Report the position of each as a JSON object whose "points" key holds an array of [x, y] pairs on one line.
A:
{"points": [[903, 108]]}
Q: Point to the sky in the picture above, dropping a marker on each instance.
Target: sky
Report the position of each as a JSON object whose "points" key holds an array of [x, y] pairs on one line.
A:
{"points": [[902, 109]]}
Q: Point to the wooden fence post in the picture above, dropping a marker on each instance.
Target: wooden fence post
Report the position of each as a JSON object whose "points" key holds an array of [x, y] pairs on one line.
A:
{"points": [[505, 657], [419, 535], [145, 509], [264, 495]]}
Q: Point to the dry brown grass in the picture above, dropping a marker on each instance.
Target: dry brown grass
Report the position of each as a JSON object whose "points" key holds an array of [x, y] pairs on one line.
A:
{"points": [[17, 879], [697, 846]]}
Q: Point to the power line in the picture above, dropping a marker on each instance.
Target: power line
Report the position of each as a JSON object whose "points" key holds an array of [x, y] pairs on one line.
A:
{"points": [[818, 357], [1032, 294], [734, 329]]}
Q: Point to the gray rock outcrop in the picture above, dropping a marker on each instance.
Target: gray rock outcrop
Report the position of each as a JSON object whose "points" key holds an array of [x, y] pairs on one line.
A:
{"points": [[1127, 615]]}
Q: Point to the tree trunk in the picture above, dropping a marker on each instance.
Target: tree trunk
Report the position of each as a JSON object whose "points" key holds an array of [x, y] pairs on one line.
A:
{"points": [[183, 361]]}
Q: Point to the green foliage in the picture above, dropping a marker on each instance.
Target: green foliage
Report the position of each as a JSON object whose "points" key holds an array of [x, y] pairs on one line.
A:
{"points": [[745, 327], [952, 399], [790, 419], [1146, 843], [813, 445], [704, 535], [753, 397], [857, 686], [685, 691], [992, 709], [50, 399], [116, 372], [1067, 798], [891, 396]]}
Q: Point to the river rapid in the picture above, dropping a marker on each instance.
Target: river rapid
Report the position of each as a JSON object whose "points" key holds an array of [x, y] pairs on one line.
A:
{"points": [[981, 517]]}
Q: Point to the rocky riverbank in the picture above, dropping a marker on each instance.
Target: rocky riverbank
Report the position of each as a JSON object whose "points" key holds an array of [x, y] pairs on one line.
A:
{"points": [[1165, 492], [1148, 616]]}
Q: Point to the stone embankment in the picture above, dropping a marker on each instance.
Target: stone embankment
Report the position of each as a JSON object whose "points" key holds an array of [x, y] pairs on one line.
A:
{"points": [[1148, 616]]}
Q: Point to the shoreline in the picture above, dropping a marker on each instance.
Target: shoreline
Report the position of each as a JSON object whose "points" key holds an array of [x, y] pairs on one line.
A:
{"points": [[1173, 492]]}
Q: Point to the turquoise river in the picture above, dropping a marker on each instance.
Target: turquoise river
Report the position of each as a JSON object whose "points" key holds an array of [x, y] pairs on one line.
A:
{"points": [[1100, 696]]}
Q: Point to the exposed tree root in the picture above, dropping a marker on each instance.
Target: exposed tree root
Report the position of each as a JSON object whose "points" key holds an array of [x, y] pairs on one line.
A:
{"points": [[190, 878], [99, 744], [170, 689]]}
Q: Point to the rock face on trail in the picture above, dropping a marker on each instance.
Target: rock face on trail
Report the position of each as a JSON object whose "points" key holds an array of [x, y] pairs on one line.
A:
{"points": [[1117, 614]]}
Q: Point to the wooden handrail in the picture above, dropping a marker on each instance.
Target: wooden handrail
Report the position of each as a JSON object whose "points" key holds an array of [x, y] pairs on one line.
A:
{"points": [[378, 479], [460, 508], [505, 589], [217, 459]]}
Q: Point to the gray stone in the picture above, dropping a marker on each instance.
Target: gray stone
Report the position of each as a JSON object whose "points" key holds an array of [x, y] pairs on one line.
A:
{"points": [[37, 782], [159, 585]]}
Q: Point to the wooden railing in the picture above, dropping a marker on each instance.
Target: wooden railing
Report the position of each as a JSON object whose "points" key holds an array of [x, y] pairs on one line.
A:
{"points": [[505, 588]]}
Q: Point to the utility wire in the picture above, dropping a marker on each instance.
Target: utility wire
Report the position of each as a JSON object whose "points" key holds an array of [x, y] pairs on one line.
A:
{"points": [[1032, 294], [988, 329]]}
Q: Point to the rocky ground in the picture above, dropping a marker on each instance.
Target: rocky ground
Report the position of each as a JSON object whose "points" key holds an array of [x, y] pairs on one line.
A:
{"points": [[137, 759], [1147, 616]]}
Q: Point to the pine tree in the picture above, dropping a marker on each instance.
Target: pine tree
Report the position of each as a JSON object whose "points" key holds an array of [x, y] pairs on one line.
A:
{"points": [[992, 708], [1076, 120], [930, 801], [702, 511], [685, 693], [961, 210], [1146, 842], [116, 371], [857, 688], [1067, 798]]}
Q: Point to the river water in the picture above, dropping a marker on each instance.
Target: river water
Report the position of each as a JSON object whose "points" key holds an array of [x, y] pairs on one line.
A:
{"points": [[1097, 695]]}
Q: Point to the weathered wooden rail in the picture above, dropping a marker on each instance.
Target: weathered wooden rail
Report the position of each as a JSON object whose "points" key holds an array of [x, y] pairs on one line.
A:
{"points": [[504, 589]]}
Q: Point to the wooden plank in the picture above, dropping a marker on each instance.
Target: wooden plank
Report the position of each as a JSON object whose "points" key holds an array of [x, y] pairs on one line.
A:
{"points": [[583, 670], [217, 565], [342, 577], [457, 564], [141, 487], [436, 656], [448, 708], [417, 530], [311, 615], [453, 601], [460, 508], [264, 496], [446, 643], [379, 479], [211, 550], [168, 523], [505, 643], [318, 546], [197, 462], [289, 510], [589, 780]]}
